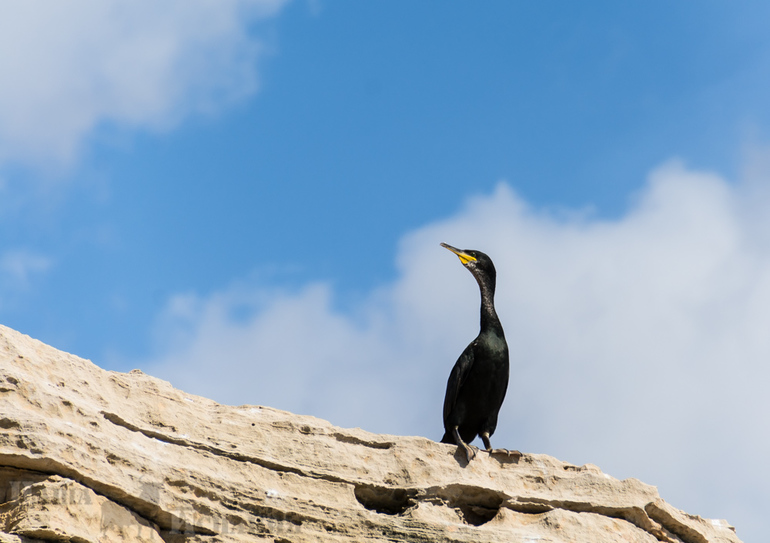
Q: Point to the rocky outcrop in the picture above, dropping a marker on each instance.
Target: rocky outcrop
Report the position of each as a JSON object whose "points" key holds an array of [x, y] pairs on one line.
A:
{"points": [[88, 455]]}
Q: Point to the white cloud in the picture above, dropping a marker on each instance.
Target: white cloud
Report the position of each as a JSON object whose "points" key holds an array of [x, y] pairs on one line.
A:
{"points": [[640, 344], [69, 67]]}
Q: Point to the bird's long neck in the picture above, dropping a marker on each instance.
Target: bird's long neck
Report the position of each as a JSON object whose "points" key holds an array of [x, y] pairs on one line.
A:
{"points": [[489, 319]]}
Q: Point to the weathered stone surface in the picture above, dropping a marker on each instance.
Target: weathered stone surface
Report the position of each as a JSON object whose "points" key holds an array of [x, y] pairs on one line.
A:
{"points": [[53, 508], [89, 455]]}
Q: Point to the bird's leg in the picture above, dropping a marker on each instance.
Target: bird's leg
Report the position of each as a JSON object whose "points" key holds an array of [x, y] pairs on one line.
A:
{"points": [[490, 450], [470, 450]]}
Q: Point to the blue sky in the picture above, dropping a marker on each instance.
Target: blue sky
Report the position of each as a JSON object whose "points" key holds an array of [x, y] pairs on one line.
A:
{"points": [[205, 189]]}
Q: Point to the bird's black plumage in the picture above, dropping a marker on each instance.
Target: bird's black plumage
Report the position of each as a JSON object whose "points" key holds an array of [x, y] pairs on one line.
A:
{"points": [[479, 379]]}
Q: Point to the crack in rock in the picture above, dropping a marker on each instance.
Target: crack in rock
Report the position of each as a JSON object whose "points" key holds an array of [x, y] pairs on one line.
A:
{"points": [[658, 512], [74, 511], [478, 505], [238, 457], [635, 515], [346, 438], [49, 467]]}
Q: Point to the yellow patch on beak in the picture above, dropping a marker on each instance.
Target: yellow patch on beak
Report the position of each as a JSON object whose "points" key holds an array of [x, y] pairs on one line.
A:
{"points": [[464, 257]]}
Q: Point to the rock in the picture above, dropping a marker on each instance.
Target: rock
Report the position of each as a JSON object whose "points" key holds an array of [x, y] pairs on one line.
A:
{"points": [[88, 455]]}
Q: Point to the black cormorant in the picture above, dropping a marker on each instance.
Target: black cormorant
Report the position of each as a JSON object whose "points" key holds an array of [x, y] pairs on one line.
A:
{"points": [[479, 379]]}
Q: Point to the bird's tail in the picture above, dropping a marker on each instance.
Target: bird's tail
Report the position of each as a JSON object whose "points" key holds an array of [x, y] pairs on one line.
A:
{"points": [[448, 438]]}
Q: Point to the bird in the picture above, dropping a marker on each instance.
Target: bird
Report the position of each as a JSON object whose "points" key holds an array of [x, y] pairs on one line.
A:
{"points": [[479, 379]]}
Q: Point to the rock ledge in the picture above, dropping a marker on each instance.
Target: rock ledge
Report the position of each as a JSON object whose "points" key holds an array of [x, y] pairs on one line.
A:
{"points": [[88, 455]]}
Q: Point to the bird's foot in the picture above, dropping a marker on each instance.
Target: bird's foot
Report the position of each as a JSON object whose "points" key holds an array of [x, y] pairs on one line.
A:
{"points": [[470, 451], [504, 452]]}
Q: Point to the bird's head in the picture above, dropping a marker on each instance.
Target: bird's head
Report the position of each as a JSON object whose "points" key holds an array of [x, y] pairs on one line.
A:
{"points": [[478, 263]]}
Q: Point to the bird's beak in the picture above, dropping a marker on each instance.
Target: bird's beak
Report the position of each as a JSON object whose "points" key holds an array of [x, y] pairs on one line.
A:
{"points": [[464, 257]]}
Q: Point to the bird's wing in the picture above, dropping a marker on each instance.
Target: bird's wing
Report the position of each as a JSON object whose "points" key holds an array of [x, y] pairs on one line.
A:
{"points": [[456, 378]]}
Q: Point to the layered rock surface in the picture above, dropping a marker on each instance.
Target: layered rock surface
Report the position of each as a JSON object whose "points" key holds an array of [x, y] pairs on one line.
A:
{"points": [[88, 455]]}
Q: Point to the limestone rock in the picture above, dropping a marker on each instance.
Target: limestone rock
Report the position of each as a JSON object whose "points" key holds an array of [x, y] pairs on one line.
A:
{"points": [[88, 455]]}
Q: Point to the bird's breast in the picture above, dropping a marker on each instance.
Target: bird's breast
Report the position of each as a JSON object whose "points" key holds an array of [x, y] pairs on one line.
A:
{"points": [[493, 344]]}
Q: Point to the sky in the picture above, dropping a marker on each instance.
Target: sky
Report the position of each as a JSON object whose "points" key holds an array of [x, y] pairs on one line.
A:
{"points": [[246, 198]]}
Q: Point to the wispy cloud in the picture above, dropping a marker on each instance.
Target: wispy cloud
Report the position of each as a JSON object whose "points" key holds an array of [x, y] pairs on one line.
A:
{"points": [[18, 267], [639, 344], [68, 68]]}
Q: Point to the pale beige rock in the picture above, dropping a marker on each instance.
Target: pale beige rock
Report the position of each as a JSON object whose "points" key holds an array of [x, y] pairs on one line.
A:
{"points": [[53, 508], [92, 455]]}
